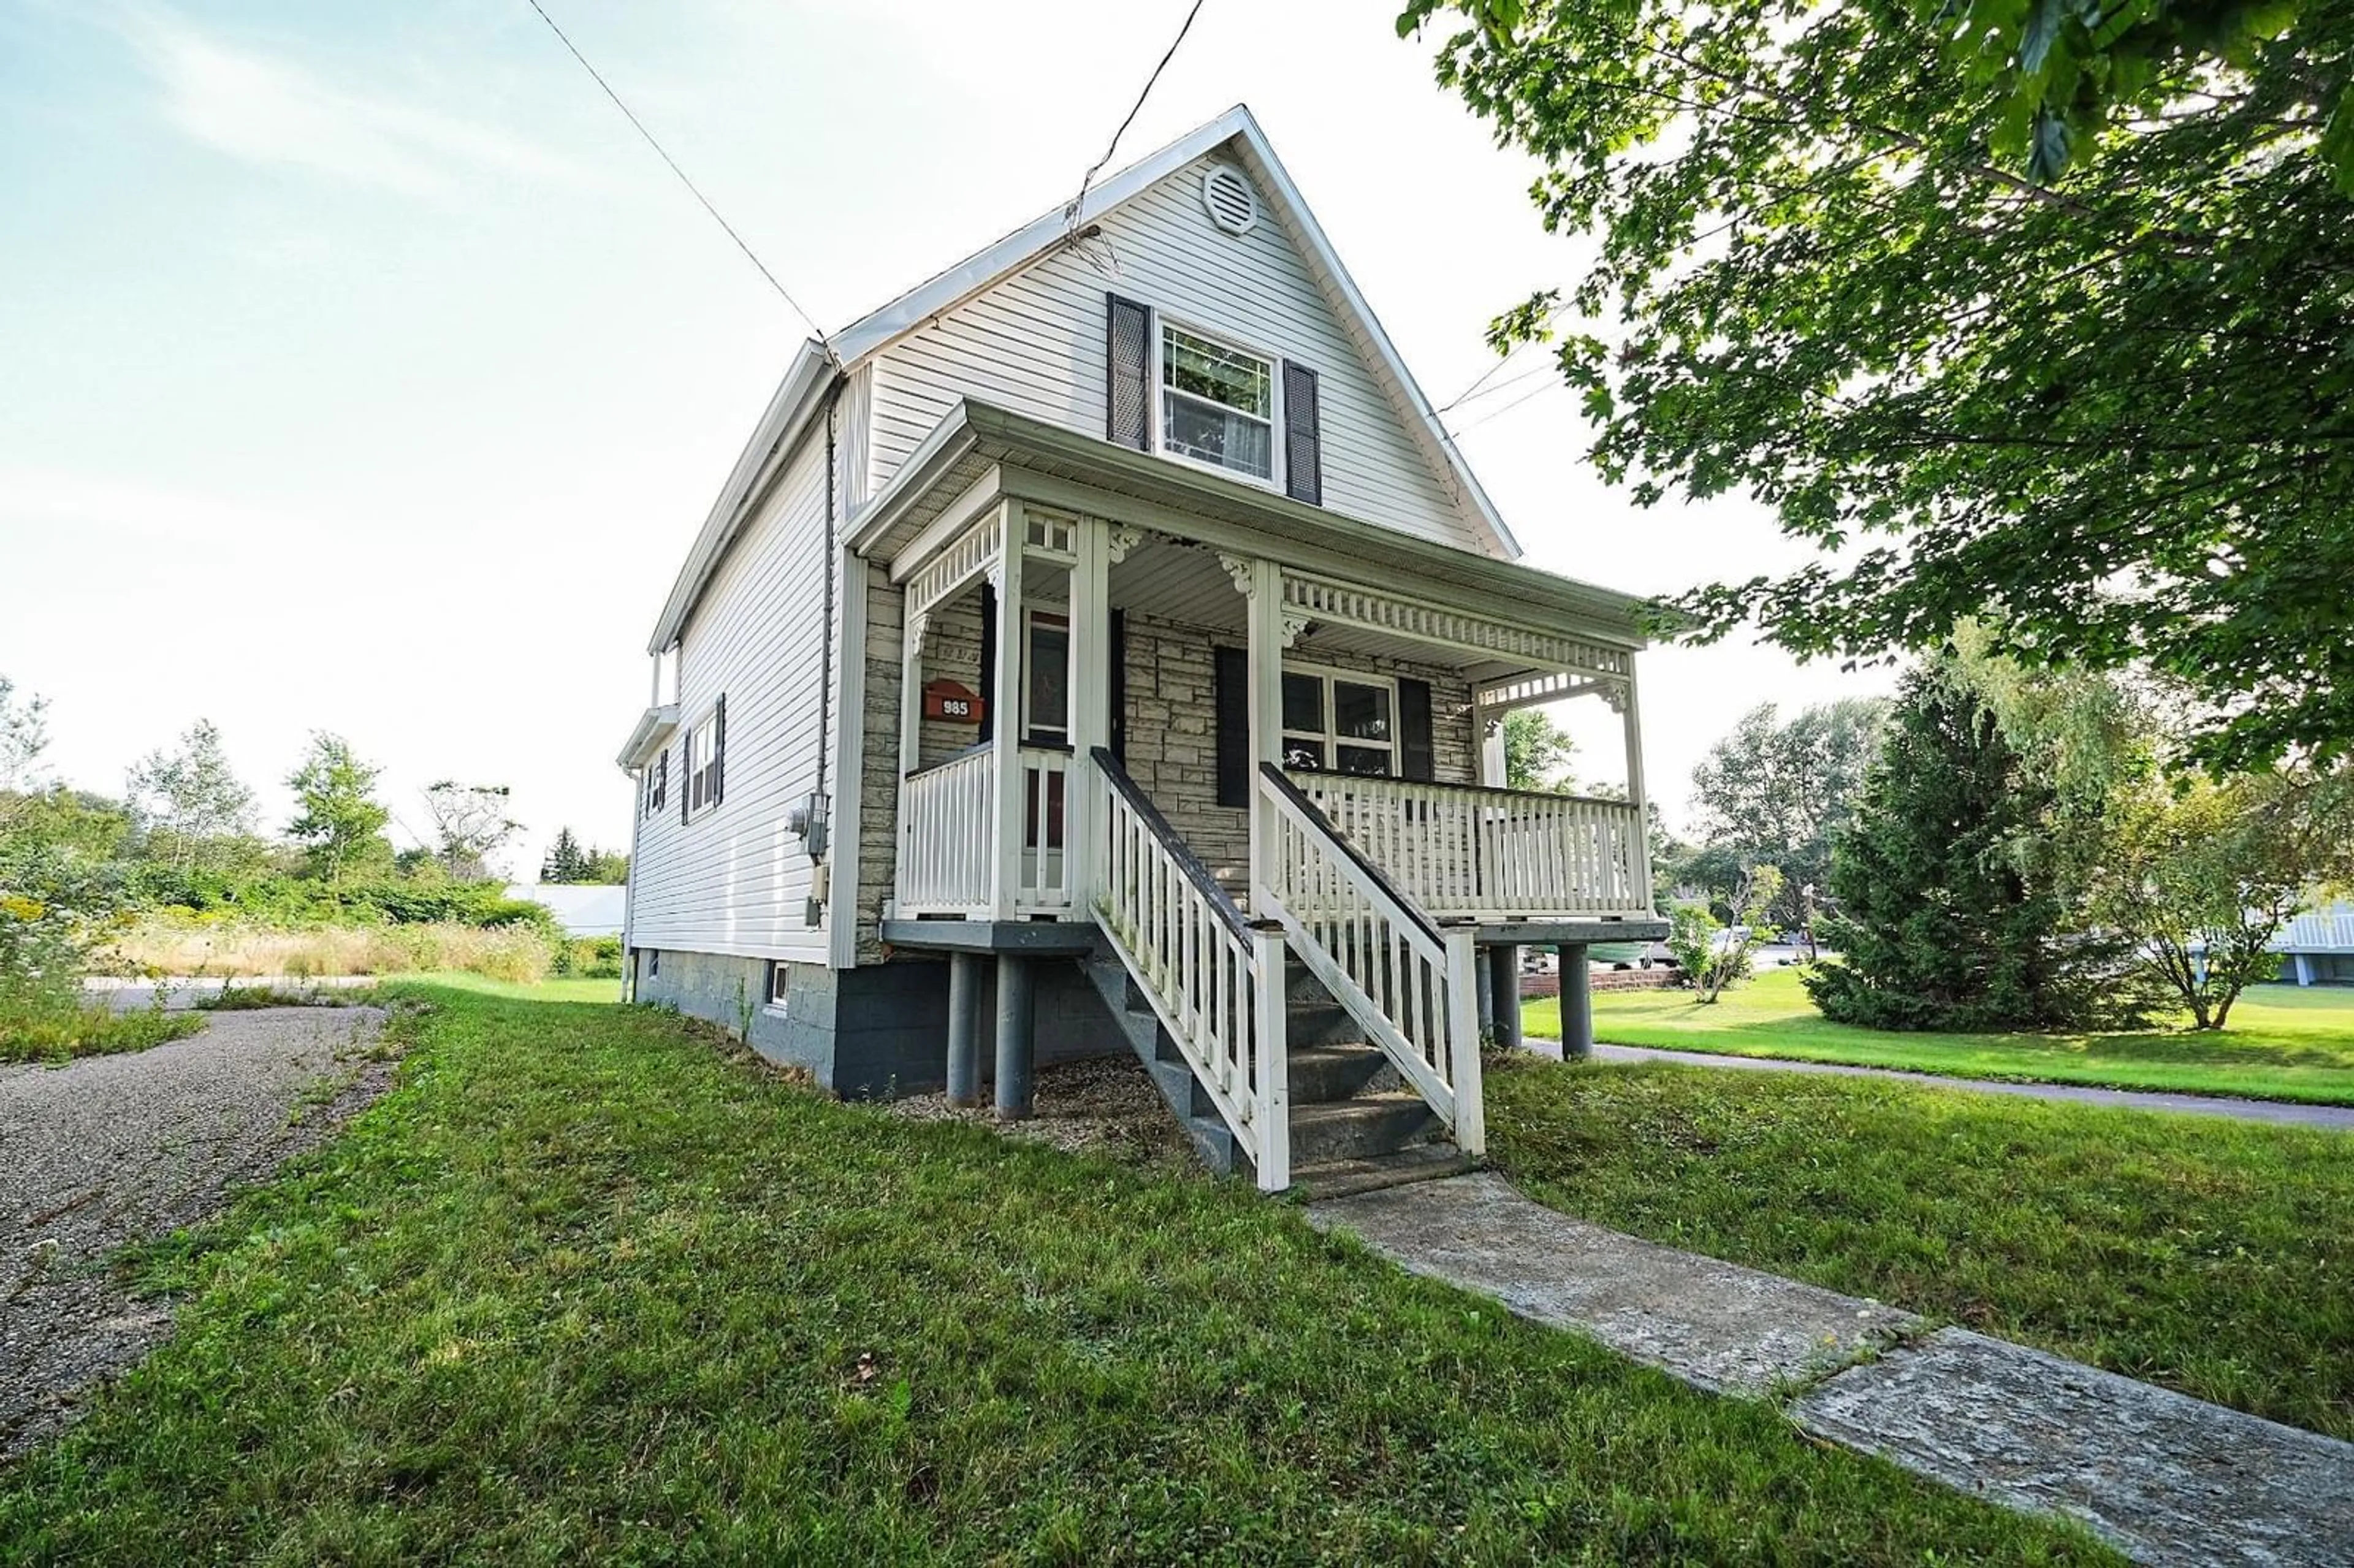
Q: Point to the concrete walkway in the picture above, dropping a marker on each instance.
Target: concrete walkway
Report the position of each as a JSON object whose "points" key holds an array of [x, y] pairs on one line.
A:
{"points": [[2165, 1478], [2280, 1113]]}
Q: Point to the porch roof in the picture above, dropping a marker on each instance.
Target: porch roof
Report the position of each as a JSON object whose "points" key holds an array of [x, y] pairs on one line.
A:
{"points": [[979, 453]]}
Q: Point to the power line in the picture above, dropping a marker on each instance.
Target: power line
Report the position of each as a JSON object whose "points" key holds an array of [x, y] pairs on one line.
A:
{"points": [[1071, 213], [1500, 413], [1474, 395], [782, 293]]}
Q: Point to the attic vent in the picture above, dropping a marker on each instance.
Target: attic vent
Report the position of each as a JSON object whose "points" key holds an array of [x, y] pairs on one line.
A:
{"points": [[1234, 206]]}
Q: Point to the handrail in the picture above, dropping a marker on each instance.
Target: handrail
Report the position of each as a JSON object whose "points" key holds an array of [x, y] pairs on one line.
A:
{"points": [[1177, 849], [982, 749], [1405, 908], [1379, 779]]}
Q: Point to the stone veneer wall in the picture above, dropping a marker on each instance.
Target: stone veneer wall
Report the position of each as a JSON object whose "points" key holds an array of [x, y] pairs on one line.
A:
{"points": [[1171, 731], [1172, 744]]}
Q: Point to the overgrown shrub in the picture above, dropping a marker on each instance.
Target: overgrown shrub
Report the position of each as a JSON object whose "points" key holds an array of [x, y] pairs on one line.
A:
{"points": [[588, 958], [209, 946]]}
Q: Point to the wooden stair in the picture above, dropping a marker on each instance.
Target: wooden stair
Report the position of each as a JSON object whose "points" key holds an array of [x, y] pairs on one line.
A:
{"points": [[1355, 1126]]}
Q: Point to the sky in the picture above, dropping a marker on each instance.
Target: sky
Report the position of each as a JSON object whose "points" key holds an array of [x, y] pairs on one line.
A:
{"points": [[362, 371]]}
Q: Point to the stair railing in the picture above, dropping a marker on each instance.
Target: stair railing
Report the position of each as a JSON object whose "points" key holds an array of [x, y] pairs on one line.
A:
{"points": [[1410, 983], [1214, 979]]}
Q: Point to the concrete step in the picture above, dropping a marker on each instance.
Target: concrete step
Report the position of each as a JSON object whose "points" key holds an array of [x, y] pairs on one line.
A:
{"points": [[1364, 1128], [1347, 1178], [1323, 1073], [1203, 1127]]}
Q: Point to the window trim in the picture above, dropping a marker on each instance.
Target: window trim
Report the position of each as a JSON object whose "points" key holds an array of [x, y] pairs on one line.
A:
{"points": [[1330, 740], [695, 787], [1156, 341], [780, 973]]}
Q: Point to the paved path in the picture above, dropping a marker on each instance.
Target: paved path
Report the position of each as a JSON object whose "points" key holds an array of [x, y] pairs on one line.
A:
{"points": [[2283, 1113], [2165, 1478], [110, 1150]]}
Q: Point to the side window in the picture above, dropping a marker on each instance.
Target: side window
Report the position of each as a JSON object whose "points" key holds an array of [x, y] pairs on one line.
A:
{"points": [[706, 760]]}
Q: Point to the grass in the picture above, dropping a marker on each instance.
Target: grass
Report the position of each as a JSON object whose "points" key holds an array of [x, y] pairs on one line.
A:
{"points": [[2285, 1043], [160, 944], [63, 1032], [2206, 1255], [589, 1286]]}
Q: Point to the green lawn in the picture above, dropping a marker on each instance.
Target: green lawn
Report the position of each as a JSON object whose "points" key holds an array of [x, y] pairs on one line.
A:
{"points": [[2285, 1044], [587, 1286], [2211, 1255]]}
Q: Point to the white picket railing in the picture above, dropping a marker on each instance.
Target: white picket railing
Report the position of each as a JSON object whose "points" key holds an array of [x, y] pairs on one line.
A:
{"points": [[1458, 850], [1045, 885], [1408, 982], [947, 825], [1215, 982]]}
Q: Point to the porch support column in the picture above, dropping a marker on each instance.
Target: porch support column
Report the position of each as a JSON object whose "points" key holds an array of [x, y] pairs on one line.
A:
{"points": [[1089, 716], [1503, 969], [964, 1028], [1487, 732], [1017, 1017], [1632, 715], [1576, 1003], [1263, 585], [2304, 962], [1005, 848], [1487, 972]]}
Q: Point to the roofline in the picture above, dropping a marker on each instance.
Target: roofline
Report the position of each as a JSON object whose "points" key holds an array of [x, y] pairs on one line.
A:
{"points": [[946, 291], [796, 403], [971, 427]]}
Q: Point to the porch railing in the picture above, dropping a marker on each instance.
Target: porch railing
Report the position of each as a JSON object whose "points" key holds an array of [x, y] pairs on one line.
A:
{"points": [[1215, 982], [947, 826], [1044, 882], [1408, 981], [1456, 849]]}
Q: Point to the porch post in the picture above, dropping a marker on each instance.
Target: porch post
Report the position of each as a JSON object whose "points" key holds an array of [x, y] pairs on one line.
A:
{"points": [[1576, 1003], [1011, 803], [964, 1028], [1089, 716], [1017, 1017], [1265, 589], [1503, 970], [1632, 713]]}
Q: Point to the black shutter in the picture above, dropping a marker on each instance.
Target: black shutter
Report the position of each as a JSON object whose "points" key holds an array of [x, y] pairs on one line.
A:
{"points": [[719, 748], [987, 662], [1127, 378], [1234, 726], [1416, 759], [1118, 726], [686, 777], [1303, 443]]}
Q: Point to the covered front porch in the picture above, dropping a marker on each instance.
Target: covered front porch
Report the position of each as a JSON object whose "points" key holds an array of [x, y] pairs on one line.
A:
{"points": [[1240, 755]]}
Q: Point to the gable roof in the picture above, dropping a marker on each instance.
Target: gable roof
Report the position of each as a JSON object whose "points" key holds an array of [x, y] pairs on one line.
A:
{"points": [[801, 398], [977, 273]]}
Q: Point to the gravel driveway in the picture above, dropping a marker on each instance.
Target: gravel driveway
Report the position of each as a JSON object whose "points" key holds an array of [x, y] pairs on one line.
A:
{"points": [[110, 1150]]}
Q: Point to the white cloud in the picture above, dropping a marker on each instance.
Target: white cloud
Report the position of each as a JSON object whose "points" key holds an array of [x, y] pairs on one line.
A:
{"points": [[272, 111]]}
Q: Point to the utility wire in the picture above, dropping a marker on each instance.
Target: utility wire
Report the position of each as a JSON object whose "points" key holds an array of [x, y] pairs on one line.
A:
{"points": [[1500, 413], [1071, 213], [782, 293]]}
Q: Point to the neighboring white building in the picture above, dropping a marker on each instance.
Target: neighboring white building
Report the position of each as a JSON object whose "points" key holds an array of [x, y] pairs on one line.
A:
{"points": [[2319, 946], [1106, 636], [581, 909]]}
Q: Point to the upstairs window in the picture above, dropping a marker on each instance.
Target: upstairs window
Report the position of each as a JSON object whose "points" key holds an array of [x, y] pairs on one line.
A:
{"points": [[706, 760], [1217, 404]]}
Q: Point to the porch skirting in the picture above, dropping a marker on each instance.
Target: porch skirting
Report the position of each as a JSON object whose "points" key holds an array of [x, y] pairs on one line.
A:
{"points": [[873, 1032]]}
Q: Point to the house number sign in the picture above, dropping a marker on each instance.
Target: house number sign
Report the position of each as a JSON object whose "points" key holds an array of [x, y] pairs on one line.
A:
{"points": [[954, 703]]}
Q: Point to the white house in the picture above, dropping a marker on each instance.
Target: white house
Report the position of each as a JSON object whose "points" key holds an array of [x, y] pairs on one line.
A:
{"points": [[1103, 644]]}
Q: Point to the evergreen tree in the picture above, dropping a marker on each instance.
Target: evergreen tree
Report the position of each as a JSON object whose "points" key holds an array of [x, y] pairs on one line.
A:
{"points": [[565, 861], [1943, 922]]}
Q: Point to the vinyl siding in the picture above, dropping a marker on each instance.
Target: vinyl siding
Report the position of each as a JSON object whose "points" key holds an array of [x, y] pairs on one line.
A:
{"points": [[1035, 343], [736, 880]]}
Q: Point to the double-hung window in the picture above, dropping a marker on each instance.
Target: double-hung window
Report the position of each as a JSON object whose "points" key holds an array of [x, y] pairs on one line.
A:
{"points": [[657, 783], [1339, 722], [705, 753], [1217, 403]]}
